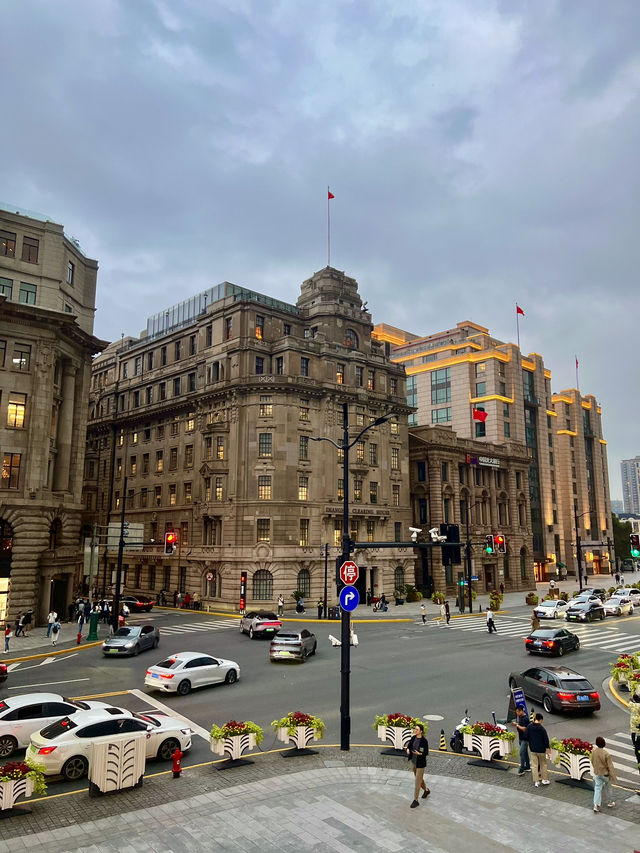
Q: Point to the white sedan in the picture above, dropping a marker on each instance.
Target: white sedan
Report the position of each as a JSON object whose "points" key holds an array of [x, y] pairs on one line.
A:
{"points": [[21, 716], [181, 672], [66, 746], [618, 605], [629, 592], [551, 608]]}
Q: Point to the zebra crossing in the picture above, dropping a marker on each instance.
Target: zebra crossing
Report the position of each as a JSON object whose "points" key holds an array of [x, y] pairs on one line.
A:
{"points": [[198, 627], [624, 759], [608, 638]]}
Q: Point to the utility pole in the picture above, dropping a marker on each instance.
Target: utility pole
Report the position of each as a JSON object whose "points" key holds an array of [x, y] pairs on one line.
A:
{"points": [[345, 633], [578, 547], [116, 597], [326, 566]]}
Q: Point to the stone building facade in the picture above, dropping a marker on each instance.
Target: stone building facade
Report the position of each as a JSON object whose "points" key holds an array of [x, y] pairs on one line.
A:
{"points": [[47, 303], [211, 414], [483, 488]]}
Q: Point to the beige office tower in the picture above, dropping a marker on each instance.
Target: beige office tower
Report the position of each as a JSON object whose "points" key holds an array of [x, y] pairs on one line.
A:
{"points": [[457, 376], [583, 483], [47, 304], [212, 415]]}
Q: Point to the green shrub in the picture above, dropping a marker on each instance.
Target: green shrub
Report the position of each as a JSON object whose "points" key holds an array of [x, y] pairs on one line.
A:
{"points": [[531, 599], [438, 597]]}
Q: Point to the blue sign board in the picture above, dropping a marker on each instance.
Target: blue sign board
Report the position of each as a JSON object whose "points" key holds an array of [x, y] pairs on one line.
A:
{"points": [[474, 577], [518, 698], [349, 598]]}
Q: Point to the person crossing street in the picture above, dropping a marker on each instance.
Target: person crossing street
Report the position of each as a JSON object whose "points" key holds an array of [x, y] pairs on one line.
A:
{"points": [[491, 625]]}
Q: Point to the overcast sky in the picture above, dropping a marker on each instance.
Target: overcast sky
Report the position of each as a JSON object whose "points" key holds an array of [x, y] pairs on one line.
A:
{"points": [[480, 152]]}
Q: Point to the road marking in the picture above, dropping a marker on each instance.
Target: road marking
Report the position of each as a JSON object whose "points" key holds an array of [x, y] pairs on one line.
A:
{"points": [[48, 683], [433, 717], [12, 666], [195, 728]]}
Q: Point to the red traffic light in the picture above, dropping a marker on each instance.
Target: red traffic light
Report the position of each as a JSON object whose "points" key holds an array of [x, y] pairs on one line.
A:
{"points": [[170, 541], [501, 543]]}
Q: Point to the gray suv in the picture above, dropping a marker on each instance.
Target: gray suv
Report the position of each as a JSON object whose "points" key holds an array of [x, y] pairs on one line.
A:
{"points": [[293, 645]]}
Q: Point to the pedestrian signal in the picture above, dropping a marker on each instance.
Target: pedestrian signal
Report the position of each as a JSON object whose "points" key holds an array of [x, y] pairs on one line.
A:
{"points": [[489, 545]]}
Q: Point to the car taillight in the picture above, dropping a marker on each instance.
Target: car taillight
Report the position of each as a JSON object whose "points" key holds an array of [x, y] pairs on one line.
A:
{"points": [[528, 640], [46, 750], [167, 676], [549, 643], [566, 697], [595, 696]]}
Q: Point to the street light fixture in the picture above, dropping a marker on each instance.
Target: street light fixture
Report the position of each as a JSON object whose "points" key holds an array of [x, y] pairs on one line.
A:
{"points": [[345, 649], [579, 545]]}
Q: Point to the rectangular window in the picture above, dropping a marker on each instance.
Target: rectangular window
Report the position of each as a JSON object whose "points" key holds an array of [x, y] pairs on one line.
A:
{"points": [[340, 374], [176, 387], [133, 465], [143, 497], [188, 456], [303, 488], [228, 328], [174, 427], [422, 510], [149, 395], [337, 532], [481, 430], [10, 471], [373, 454], [265, 445], [157, 495], [264, 530], [159, 461], [136, 399], [190, 422], [119, 467], [163, 356], [286, 329], [397, 531], [394, 428], [259, 365], [421, 471], [208, 447], [162, 391], [191, 381], [303, 450], [441, 386], [340, 490], [192, 345], [359, 419], [219, 489], [371, 529], [393, 385], [340, 455], [266, 406], [160, 432], [551, 459], [30, 250], [279, 365], [7, 244], [505, 410], [6, 287], [208, 335], [117, 499], [16, 410], [395, 459], [357, 490], [502, 389], [441, 416], [145, 463], [259, 327], [304, 533], [172, 494], [21, 357], [373, 493], [304, 413], [360, 446], [371, 380], [507, 429], [150, 360], [187, 494], [445, 472], [264, 487], [137, 366], [177, 351], [207, 489], [518, 480], [481, 389], [27, 293], [359, 376], [395, 494], [304, 366]]}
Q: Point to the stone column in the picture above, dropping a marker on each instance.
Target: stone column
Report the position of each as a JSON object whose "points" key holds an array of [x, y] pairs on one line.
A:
{"points": [[65, 428], [30, 538]]}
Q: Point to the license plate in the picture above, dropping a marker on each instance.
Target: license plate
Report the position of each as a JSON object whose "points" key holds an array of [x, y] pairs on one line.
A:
{"points": [[112, 651], [268, 630], [582, 698], [283, 654], [32, 748], [538, 643], [154, 675]]}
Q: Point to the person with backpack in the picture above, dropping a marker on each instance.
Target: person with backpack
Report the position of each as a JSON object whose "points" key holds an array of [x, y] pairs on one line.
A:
{"points": [[51, 618], [55, 631]]}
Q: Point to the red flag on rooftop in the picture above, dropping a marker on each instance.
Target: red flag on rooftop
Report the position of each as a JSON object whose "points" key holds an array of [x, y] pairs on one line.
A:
{"points": [[479, 415], [330, 194], [519, 310]]}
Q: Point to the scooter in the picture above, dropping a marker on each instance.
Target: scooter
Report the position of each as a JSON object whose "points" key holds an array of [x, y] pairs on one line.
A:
{"points": [[456, 739]]}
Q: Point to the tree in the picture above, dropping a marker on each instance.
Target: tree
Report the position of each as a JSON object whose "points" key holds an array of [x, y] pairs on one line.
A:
{"points": [[621, 532]]}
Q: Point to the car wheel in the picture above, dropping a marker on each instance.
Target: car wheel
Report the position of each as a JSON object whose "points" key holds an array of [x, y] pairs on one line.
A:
{"points": [[315, 646], [577, 645], [156, 642], [618, 612], [602, 615], [167, 748], [547, 705], [8, 745], [560, 651], [184, 688], [241, 628], [75, 768], [136, 650], [251, 633], [555, 614], [304, 655], [512, 683], [231, 677]]}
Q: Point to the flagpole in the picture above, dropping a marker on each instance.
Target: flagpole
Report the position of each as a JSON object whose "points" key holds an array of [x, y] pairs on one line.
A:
{"points": [[518, 325], [577, 377], [328, 227]]}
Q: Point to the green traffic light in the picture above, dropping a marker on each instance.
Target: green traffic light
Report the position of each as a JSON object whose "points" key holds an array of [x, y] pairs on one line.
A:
{"points": [[489, 549], [635, 552]]}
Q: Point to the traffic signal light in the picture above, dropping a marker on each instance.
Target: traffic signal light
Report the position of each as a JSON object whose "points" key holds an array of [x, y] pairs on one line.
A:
{"points": [[451, 552], [634, 541], [489, 545], [243, 591], [500, 543], [170, 542], [461, 581]]}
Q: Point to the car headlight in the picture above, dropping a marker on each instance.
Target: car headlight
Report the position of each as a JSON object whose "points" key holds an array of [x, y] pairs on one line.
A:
{"points": [[186, 731], [129, 645]]}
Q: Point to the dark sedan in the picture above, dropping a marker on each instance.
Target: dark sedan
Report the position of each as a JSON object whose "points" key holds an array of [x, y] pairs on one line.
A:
{"points": [[557, 688], [584, 611], [551, 641], [137, 603], [131, 640]]}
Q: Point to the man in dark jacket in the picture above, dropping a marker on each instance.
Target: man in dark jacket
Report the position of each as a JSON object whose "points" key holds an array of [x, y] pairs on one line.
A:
{"points": [[520, 723], [539, 750], [417, 751]]}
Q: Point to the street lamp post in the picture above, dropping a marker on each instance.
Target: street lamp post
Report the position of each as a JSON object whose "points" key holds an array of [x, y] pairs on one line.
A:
{"points": [[578, 545], [326, 567], [467, 550], [345, 633]]}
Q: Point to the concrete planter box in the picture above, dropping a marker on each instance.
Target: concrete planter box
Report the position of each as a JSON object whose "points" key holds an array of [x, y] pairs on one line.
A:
{"points": [[234, 746], [301, 736], [396, 736], [487, 746], [11, 791], [118, 764]]}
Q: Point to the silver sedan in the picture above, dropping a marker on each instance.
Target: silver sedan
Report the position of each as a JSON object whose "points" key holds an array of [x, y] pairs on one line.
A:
{"points": [[618, 605]]}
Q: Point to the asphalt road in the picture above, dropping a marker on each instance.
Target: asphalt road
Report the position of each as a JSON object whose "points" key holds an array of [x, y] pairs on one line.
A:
{"points": [[423, 670]]}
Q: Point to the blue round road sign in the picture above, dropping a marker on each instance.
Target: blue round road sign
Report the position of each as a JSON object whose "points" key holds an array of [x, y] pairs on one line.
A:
{"points": [[349, 598]]}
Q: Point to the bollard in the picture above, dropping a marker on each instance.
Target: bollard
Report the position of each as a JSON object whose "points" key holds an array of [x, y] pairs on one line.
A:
{"points": [[79, 638], [177, 763], [532, 716], [443, 741]]}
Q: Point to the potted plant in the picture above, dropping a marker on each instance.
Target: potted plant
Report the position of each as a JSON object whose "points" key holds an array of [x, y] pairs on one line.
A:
{"points": [[235, 738], [495, 599], [299, 729], [487, 739], [396, 729], [531, 599], [634, 684], [19, 779], [438, 597], [624, 668], [573, 754]]}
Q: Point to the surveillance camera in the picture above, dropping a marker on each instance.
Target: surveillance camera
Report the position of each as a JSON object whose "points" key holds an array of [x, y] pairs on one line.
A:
{"points": [[415, 529], [436, 536]]}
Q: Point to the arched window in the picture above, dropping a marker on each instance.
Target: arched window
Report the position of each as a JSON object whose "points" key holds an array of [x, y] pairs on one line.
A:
{"points": [[55, 534], [398, 577], [262, 585], [350, 339], [211, 586], [523, 563], [304, 583]]}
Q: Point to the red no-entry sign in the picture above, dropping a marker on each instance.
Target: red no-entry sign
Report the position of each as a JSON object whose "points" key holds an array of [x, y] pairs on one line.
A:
{"points": [[349, 572]]}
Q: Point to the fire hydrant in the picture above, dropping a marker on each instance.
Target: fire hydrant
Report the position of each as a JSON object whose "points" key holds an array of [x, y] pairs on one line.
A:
{"points": [[79, 637], [177, 763]]}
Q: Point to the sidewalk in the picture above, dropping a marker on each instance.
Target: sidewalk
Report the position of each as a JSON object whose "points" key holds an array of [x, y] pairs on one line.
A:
{"points": [[333, 801]]}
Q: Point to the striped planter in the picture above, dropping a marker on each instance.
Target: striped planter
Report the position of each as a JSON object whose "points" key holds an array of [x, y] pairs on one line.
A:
{"points": [[396, 736], [575, 765], [301, 736], [234, 746], [11, 791], [487, 746]]}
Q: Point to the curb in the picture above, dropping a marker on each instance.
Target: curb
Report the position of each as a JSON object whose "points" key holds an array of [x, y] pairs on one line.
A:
{"points": [[617, 696], [75, 648]]}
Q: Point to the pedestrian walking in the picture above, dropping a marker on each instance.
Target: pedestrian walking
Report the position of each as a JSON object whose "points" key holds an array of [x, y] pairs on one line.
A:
{"points": [[423, 613], [538, 750], [196, 601], [384, 604], [8, 633], [447, 612], [417, 751], [27, 622], [71, 611], [280, 604], [501, 589], [187, 601], [105, 612], [535, 622], [179, 600], [443, 615], [634, 727], [491, 625], [19, 624], [300, 606], [55, 633], [320, 608], [604, 773], [175, 598], [617, 578], [51, 618], [521, 724], [87, 610]]}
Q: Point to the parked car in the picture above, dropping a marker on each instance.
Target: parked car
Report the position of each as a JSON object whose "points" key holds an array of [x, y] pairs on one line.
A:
{"points": [[181, 672], [551, 641], [618, 605], [21, 716], [557, 688], [293, 645], [587, 596], [131, 640], [630, 592], [584, 611], [551, 608], [628, 565], [260, 623], [137, 603], [65, 747]]}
